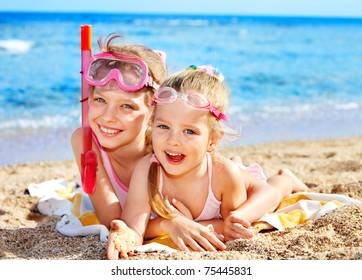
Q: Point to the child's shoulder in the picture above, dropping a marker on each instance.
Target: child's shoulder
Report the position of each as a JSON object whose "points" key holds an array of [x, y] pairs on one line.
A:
{"points": [[226, 175], [142, 166], [145, 161], [224, 165], [77, 135]]}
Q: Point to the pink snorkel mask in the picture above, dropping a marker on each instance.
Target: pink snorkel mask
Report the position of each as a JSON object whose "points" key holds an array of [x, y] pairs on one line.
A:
{"points": [[130, 74]]}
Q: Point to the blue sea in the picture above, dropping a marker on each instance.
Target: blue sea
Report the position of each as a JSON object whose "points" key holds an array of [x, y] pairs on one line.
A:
{"points": [[290, 78]]}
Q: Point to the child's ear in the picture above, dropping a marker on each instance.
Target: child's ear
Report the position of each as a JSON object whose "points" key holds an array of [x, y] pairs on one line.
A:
{"points": [[214, 141], [212, 147]]}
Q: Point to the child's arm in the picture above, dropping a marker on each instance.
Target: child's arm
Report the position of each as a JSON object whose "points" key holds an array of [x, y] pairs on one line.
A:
{"points": [[185, 232], [126, 236], [257, 198], [104, 199]]}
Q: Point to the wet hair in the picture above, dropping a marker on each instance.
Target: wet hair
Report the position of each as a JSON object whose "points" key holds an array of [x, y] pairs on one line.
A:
{"points": [[217, 92]]}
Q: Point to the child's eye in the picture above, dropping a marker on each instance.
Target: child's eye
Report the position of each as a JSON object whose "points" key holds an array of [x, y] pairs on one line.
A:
{"points": [[100, 99], [163, 126], [189, 131], [127, 106]]}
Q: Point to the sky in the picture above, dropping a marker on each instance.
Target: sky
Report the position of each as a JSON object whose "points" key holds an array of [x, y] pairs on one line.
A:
{"points": [[328, 8]]}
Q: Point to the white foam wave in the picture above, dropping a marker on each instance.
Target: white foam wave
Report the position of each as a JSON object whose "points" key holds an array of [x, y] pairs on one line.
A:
{"points": [[348, 106], [15, 46], [173, 22], [295, 111], [189, 22], [57, 121]]}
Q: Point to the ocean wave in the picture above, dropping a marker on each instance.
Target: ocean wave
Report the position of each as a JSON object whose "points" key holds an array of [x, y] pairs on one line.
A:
{"points": [[15, 46], [348, 106], [53, 122], [294, 111], [172, 22]]}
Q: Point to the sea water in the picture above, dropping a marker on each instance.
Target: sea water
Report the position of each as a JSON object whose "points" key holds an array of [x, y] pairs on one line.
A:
{"points": [[290, 78]]}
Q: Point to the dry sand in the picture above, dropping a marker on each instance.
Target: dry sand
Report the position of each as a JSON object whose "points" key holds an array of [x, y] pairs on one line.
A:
{"points": [[326, 166]]}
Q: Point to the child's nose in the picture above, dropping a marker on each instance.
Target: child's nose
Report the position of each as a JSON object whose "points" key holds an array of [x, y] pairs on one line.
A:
{"points": [[173, 139], [109, 113]]}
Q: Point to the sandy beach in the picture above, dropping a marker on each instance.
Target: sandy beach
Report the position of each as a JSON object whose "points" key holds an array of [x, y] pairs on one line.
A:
{"points": [[326, 166]]}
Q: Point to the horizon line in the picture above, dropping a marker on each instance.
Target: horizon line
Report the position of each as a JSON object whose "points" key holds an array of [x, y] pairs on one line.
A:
{"points": [[187, 14]]}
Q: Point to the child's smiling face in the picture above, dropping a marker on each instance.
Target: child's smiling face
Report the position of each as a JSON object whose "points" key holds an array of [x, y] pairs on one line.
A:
{"points": [[180, 136]]}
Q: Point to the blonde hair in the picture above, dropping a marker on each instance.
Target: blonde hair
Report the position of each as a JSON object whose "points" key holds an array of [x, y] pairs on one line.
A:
{"points": [[217, 93]]}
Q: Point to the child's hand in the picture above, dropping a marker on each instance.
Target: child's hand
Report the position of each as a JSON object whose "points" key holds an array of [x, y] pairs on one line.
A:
{"points": [[235, 227], [179, 208], [121, 241], [188, 233]]}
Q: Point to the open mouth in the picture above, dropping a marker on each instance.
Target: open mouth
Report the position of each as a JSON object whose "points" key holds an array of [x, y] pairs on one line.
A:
{"points": [[174, 158], [109, 132]]}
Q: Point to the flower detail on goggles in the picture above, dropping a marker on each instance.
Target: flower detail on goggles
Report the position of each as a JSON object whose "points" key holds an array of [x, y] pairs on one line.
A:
{"points": [[209, 69], [129, 73], [166, 95]]}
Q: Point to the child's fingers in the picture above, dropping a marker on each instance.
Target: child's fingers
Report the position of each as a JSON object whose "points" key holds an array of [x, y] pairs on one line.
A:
{"points": [[200, 243], [244, 223], [214, 239], [195, 245], [238, 231], [181, 244], [182, 208], [209, 242], [169, 205], [220, 237], [123, 255], [206, 245], [112, 253], [117, 224]]}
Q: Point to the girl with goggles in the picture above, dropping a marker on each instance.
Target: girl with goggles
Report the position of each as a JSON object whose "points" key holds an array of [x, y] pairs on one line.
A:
{"points": [[119, 121], [185, 183]]}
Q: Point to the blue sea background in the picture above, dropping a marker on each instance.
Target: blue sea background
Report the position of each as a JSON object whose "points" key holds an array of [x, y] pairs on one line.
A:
{"points": [[290, 78]]}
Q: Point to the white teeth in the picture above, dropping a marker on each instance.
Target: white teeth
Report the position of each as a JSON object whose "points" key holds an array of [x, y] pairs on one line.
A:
{"points": [[108, 130], [173, 155]]}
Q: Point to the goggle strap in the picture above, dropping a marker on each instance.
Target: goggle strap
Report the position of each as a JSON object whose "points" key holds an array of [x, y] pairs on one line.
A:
{"points": [[155, 85], [218, 114], [162, 55], [152, 83]]}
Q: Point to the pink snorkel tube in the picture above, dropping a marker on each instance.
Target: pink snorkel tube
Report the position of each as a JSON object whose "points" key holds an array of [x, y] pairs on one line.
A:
{"points": [[88, 158]]}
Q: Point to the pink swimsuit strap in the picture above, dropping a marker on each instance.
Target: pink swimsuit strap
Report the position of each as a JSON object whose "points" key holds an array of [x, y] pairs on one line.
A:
{"points": [[118, 187], [211, 208]]}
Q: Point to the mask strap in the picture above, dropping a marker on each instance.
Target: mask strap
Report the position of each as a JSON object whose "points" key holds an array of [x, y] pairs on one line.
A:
{"points": [[162, 55]]}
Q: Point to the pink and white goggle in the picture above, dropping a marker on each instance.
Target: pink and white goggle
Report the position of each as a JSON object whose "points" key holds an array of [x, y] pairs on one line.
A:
{"points": [[129, 73], [166, 95]]}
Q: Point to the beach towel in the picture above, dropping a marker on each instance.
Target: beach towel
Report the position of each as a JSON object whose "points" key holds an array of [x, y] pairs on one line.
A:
{"points": [[68, 200], [299, 207]]}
